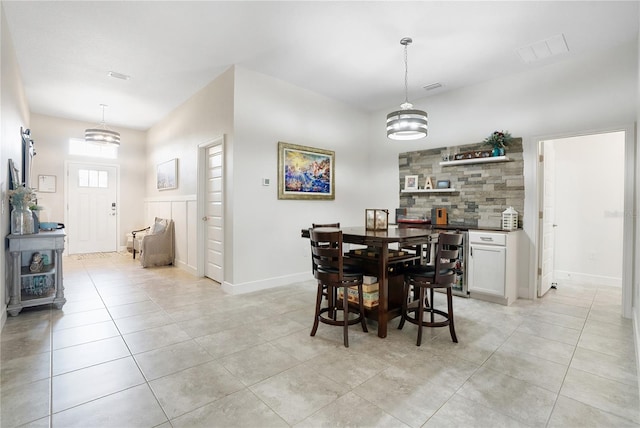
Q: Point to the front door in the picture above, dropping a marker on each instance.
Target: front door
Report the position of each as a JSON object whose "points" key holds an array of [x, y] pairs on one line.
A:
{"points": [[91, 208]]}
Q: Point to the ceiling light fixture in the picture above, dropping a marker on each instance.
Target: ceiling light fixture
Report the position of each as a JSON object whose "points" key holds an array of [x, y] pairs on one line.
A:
{"points": [[406, 123], [102, 134]]}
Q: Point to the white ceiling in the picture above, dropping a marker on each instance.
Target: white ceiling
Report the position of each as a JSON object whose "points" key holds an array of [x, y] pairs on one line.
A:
{"points": [[347, 50]]}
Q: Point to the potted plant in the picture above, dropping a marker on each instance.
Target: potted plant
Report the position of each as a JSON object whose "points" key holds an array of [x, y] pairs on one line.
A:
{"points": [[499, 140]]}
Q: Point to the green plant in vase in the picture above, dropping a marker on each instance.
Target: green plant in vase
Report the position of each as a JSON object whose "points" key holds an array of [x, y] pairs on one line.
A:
{"points": [[498, 140]]}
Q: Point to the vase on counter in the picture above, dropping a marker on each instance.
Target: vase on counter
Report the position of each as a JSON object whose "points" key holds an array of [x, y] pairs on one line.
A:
{"points": [[21, 221]]}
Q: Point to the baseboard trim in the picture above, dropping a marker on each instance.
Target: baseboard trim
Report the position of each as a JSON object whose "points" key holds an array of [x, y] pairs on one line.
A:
{"points": [[263, 284], [3, 318], [185, 267], [581, 278]]}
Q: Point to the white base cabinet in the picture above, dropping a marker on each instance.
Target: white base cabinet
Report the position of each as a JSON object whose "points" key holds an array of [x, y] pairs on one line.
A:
{"points": [[492, 272]]}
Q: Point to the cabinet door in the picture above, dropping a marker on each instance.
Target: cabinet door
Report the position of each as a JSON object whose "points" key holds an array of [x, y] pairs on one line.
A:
{"points": [[487, 265]]}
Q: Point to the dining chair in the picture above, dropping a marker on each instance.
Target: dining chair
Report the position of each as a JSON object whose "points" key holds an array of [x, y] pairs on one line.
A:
{"points": [[420, 278], [325, 294], [332, 274]]}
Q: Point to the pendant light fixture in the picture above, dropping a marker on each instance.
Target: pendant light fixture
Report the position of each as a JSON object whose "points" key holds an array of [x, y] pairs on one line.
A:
{"points": [[406, 123], [102, 134]]}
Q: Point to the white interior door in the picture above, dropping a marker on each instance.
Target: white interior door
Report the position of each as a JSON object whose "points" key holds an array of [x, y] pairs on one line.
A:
{"points": [[547, 225], [214, 234], [91, 208]]}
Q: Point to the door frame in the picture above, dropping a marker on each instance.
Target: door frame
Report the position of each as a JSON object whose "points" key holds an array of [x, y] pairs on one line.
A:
{"points": [[66, 195], [201, 197], [629, 218]]}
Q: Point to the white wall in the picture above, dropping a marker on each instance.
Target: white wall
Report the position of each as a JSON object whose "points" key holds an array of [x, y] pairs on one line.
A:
{"points": [[51, 141], [267, 247], [14, 113], [571, 97], [589, 207], [202, 118]]}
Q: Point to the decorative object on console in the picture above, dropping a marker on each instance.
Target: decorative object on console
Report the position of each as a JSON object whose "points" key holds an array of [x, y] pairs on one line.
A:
{"points": [[406, 123], [101, 133], [376, 219], [509, 219], [499, 140], [21, 216], [305, 172], [411, 182]]}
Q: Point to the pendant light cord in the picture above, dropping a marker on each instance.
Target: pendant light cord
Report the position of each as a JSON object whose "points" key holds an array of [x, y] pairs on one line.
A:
{"points": [[406, 74]]}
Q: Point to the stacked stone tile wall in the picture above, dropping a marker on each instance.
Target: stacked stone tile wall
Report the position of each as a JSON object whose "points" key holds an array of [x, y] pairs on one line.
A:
{"points": [[482, 191]]}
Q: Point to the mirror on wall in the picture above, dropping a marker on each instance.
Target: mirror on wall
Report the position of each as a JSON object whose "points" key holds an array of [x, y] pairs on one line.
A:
{"points": [[28, 152]]}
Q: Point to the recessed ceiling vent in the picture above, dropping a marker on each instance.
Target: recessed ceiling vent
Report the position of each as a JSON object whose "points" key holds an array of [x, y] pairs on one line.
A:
{"points": [[117, 75], [543, 49], [432, 86]]}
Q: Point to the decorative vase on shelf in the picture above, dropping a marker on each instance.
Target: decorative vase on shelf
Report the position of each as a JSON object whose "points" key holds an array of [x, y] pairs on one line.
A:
{"points": [[21, 221], [497, 151]]}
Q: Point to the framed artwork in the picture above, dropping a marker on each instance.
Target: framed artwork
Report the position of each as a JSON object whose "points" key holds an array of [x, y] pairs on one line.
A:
{"points": [[47, 183], [167, 175], [443, 184], [305, 172], [411, 182], [14, 175]]}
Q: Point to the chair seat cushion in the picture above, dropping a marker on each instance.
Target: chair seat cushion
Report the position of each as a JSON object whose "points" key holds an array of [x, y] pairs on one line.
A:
{"points": [[425, 271], [347, 271]]}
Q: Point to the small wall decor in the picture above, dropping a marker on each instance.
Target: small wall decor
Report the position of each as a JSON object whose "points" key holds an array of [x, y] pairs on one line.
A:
{"points": [[411, 182], [14, 175], [443, 184], [305, 172], [167, 175], [47, 183], [428, 185]]}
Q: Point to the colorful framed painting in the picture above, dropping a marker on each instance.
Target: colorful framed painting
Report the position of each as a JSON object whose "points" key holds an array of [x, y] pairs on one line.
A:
{"points": [[305, 172], [167, 175]]}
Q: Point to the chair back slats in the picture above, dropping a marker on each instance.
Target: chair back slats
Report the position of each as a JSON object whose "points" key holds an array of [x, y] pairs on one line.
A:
{"points": [[446, 257], [326, 255]]}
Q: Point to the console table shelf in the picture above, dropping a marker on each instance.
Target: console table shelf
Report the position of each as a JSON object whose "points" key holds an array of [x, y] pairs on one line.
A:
{"points": [[28, 288]]}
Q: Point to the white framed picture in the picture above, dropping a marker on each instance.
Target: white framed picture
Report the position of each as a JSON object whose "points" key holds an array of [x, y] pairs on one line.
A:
{"points": [[47, 183], [411, 182], [167, 175]]}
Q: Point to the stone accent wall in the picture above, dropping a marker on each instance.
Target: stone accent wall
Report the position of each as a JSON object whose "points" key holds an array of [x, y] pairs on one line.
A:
{"points": [[482, 192]]}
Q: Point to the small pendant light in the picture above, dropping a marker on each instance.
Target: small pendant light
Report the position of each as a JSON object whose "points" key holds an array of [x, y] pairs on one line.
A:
{"points": [[102, 134], [406, 123]]}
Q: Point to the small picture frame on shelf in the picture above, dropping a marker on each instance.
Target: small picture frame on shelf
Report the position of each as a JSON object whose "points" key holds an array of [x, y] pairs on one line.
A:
{"points": [[443, 184], [411, 182]]}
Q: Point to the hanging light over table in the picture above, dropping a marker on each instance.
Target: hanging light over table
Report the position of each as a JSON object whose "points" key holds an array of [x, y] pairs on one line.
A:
{"points": [[406, 123], [102, 134]]}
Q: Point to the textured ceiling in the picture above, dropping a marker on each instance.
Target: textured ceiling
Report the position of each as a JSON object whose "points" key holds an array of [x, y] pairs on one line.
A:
{"points": [[349, 51]]}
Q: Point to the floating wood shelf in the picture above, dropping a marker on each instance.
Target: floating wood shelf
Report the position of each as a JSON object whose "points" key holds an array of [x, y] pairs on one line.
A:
{"points": [[491, 159], [447, 190]]}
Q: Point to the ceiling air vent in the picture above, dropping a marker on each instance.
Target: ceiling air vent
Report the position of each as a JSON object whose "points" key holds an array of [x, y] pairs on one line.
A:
{"points": [[543, 49], [432, 86]]}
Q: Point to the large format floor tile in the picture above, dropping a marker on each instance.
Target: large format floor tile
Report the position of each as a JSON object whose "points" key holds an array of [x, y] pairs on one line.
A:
{"points": [[161, 348]]}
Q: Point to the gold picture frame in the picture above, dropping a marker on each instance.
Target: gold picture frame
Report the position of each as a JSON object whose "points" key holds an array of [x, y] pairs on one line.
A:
{"points": [[305, 172]]}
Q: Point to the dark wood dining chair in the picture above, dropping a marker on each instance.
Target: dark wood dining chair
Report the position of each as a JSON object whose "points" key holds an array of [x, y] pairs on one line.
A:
{"points": [[330, 299], [332, 274], [420, 278]]}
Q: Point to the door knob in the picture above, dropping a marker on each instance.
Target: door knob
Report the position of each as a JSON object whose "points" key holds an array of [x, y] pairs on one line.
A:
{"points": [[205, 218]]}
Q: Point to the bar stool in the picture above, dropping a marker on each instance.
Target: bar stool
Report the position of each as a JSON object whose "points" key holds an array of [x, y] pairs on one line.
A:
{"points": [[331, 274], [427, 277]]}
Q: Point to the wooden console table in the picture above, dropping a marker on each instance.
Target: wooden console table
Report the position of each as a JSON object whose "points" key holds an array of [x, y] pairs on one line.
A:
{"points": [[28, 288]]}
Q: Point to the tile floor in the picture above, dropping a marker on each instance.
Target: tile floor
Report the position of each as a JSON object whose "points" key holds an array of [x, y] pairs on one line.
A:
{"points": [[158, 347]]}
